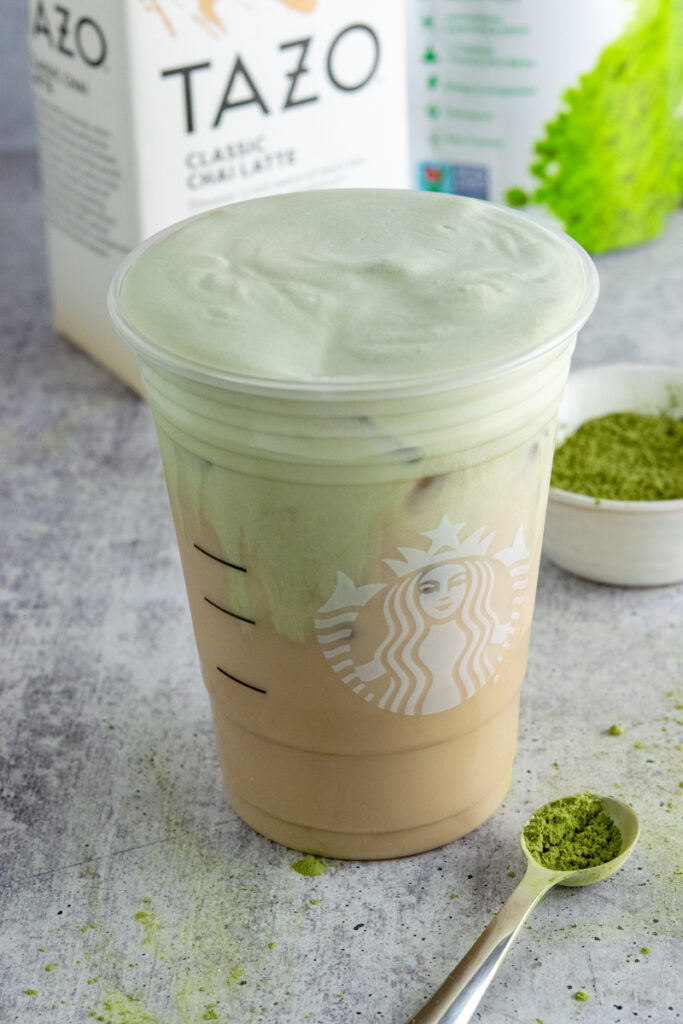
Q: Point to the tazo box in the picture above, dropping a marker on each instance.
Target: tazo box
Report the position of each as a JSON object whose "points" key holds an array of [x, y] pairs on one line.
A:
{"points": [[150, 111], [569, 109]]}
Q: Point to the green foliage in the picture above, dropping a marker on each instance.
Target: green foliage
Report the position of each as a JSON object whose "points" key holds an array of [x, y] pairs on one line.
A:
{"points": [[516, 197], [611, 163]]}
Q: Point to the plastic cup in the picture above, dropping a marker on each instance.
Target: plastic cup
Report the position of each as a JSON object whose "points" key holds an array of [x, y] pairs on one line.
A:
{"points": [[361, 564]]}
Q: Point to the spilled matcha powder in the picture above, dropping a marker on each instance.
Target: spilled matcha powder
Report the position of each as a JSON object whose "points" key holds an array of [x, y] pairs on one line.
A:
{"points": [[626, 456], [572, 833], [309, 865]]}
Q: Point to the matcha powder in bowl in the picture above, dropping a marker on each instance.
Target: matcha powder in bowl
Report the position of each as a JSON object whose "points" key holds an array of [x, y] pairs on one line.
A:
{"points": [[623, 456], [615, 510]]}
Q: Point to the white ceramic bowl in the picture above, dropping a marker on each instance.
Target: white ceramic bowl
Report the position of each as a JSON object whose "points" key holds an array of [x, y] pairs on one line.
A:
{"points": [[627, 543]]}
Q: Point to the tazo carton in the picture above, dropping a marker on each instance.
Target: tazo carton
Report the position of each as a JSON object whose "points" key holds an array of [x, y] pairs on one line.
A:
{"points": [[569, 109], [150, 111]]}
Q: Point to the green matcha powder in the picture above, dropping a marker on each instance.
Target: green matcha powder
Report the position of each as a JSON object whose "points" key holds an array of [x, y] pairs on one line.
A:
{"points": [[627, 456], [572, 833], [309, 865]]}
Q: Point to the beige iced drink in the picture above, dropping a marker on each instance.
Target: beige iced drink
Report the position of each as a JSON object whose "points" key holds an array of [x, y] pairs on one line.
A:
{"points": [[355, 395]]}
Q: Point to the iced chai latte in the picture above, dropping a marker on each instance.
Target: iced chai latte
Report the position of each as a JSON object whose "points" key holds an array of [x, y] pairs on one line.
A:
{"points": [[355, 394]]}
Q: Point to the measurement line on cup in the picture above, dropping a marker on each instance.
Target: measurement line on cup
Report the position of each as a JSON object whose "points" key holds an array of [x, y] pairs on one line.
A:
{"points": [[240, 681], [234, 615], [231, 565]]}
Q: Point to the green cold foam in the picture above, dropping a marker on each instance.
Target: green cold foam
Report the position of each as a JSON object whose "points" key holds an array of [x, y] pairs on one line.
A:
{"points": [[322, 289], [358, 285], [296, 535]]}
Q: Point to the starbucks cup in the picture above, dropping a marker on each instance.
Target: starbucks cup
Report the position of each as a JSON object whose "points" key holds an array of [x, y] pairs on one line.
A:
{"points": [[359, 507]]}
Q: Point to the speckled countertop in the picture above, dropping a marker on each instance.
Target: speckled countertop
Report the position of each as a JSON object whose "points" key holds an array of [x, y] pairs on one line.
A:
{"points": [[132, 894]]}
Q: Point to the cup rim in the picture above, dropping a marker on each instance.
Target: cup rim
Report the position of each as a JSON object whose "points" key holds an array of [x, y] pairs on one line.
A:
{"points": [[348, 387]]}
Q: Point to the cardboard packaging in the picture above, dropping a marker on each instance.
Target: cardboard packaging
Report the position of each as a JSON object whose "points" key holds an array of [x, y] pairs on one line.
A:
{"points": [[150, 111], [570, 110]]}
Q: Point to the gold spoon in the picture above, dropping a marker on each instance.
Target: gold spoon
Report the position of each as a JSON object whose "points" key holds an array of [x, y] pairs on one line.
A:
{"points": [[459, 996]]}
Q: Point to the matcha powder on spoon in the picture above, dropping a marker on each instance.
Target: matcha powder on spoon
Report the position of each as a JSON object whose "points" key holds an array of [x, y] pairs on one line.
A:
{"points": [[626, 456], [572, 833]]}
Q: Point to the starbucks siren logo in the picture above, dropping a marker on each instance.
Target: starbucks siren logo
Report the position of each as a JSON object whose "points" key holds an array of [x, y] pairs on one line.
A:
{"points": [[440, 632]]}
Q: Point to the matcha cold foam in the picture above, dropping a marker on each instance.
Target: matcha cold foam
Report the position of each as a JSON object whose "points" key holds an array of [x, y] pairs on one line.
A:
{"points": [[352, 285], [355, 395]]}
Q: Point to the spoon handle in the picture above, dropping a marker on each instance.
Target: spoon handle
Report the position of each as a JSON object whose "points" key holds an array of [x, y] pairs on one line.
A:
{"points": [[458, 997]]}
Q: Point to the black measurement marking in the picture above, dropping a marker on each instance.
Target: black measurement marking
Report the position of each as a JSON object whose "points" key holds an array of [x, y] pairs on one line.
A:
{"points": [[240, 568], [240, 681], [234, 615]]}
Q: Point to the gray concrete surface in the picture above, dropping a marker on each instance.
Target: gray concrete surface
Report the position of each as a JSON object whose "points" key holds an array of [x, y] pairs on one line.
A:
{"points": [[130, 892], [17, 121]]}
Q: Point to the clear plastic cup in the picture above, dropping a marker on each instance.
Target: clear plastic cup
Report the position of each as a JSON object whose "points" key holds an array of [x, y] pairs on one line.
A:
{"points": [[361, 564]]}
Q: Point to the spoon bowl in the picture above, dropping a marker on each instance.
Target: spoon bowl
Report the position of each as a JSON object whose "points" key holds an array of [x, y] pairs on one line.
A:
{"points": [[624, 817]]}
